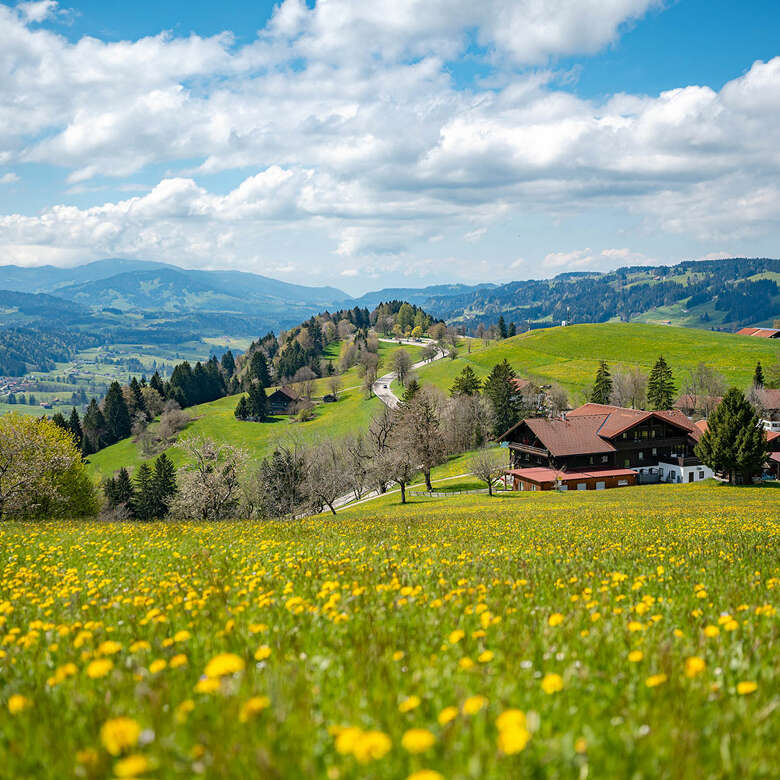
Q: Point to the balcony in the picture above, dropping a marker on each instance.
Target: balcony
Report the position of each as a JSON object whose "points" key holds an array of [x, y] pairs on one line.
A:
{"points": [[680, 460], [528, 449]]}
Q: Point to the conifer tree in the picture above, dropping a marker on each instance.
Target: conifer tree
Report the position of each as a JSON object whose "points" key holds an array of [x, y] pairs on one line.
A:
{"points": [[758, 375], [602, 386], [74, 425], [660, 386], [163, 485], [228, 364], [512, 329], [144, 502], [500, 390], [411, 389], [258, 402], [60, 421], [466, 383], [157, 384], [734, 442], [119, 490], [94, 426], [502, 332], [138, 399], [258, 369], [116, 414], [242, 411]]}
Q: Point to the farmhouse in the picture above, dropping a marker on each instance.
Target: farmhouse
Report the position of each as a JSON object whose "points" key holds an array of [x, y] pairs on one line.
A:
{"points": [[282, 401], [597, 446], [770, 402]]}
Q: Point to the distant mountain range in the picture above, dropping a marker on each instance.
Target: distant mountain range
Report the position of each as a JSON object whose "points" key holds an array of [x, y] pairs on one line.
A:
{"points": [[135, 300]]}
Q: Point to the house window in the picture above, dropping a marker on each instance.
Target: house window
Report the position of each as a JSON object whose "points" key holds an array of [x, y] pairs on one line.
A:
{"points": [[701, 475], [622, 482], [655, 451], [582, 486], [641, 455], [601, 485]]}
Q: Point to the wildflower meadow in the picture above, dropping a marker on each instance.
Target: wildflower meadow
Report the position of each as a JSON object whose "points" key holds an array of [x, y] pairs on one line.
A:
{"points": [[612, 634]]}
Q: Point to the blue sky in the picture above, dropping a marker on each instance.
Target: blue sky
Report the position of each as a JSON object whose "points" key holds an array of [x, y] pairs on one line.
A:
{"points": [[391, 143]]}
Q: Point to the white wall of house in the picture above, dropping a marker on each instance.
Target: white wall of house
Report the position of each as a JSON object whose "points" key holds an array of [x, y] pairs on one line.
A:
{"points": [[771, 425], [671, 472]]}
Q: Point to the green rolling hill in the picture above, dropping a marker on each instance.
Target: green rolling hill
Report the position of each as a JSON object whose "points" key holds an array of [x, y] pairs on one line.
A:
{"points": [[568, 356]]}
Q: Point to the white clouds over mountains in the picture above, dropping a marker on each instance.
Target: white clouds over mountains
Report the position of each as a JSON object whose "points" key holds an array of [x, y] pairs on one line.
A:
{"points": [[347, 126]]}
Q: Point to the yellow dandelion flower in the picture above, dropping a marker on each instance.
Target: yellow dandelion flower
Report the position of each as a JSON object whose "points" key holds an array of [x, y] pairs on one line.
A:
{"points": [[447, 714], [485, 657], [178, 660], [346, 739], [555, 619], [474, 704], [109, 647], [253, 706], [371, 746], [655, 680], [158, 665], [711, 631], [465, 663], [513, 740], [139, 645], [581, 745], [748, 686], [131, 766], [456, 636], [417, 740], [224, 664], [181, 636], [635, 656], [119, 734], [207, 685], [694, 666], [256, 628], [409, 704], [552, 683], [425, 774], [184, 709], [99, 668], [398, 655], [511, 719], [18, 703], [262, 652]]}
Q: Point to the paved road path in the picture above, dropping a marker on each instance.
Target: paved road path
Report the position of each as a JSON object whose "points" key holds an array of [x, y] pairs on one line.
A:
{"points": [[381, 387]]}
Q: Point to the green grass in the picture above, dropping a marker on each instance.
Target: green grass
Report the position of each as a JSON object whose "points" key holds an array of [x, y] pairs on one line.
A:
{"points": [[578, 613], [570, 355]]}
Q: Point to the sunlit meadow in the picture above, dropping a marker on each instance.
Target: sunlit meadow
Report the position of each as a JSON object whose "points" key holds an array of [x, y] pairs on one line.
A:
{"points": [[624, 633]]}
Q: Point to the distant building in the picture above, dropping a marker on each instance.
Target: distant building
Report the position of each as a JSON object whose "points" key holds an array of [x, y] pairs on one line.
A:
{"points": [[598, 446], [691, 405], [282, 401], [762, 333]]}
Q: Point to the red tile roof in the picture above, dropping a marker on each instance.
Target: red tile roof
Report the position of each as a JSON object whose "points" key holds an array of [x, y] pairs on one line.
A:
{"points": [[746, 331], [762, 333], [588, 429], [541, 474], [770, 398]]}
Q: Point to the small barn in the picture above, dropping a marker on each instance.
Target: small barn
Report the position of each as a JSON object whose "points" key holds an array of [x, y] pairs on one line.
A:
{"points": [[282, 401]]}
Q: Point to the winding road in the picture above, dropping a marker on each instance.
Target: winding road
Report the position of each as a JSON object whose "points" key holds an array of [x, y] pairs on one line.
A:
{"points": [[381, 387]]}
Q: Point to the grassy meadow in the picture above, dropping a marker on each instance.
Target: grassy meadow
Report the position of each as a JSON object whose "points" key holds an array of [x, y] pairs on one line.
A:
{"points": [[351, 413], [608, 634], [570, 356]]}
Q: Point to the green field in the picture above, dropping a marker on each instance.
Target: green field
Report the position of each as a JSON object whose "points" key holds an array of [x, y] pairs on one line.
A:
{"points": [[619, 633], [351, 413], [570, 356]]}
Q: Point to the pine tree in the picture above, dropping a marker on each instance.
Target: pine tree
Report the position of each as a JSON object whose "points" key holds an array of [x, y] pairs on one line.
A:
{"points": [[94, 427], [602, 386], [157, 384], [60, 421], [660, 386], [258, 368], [228, 364], [512, 329], [410, 391], [258, 402], [74, 425], [502, 332], [466, 383], [242, 411], [138, 398], [116, 414], [758, 375], [144, 503], [500, 390], [734, 442], [163, 485], [119, 490]]}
